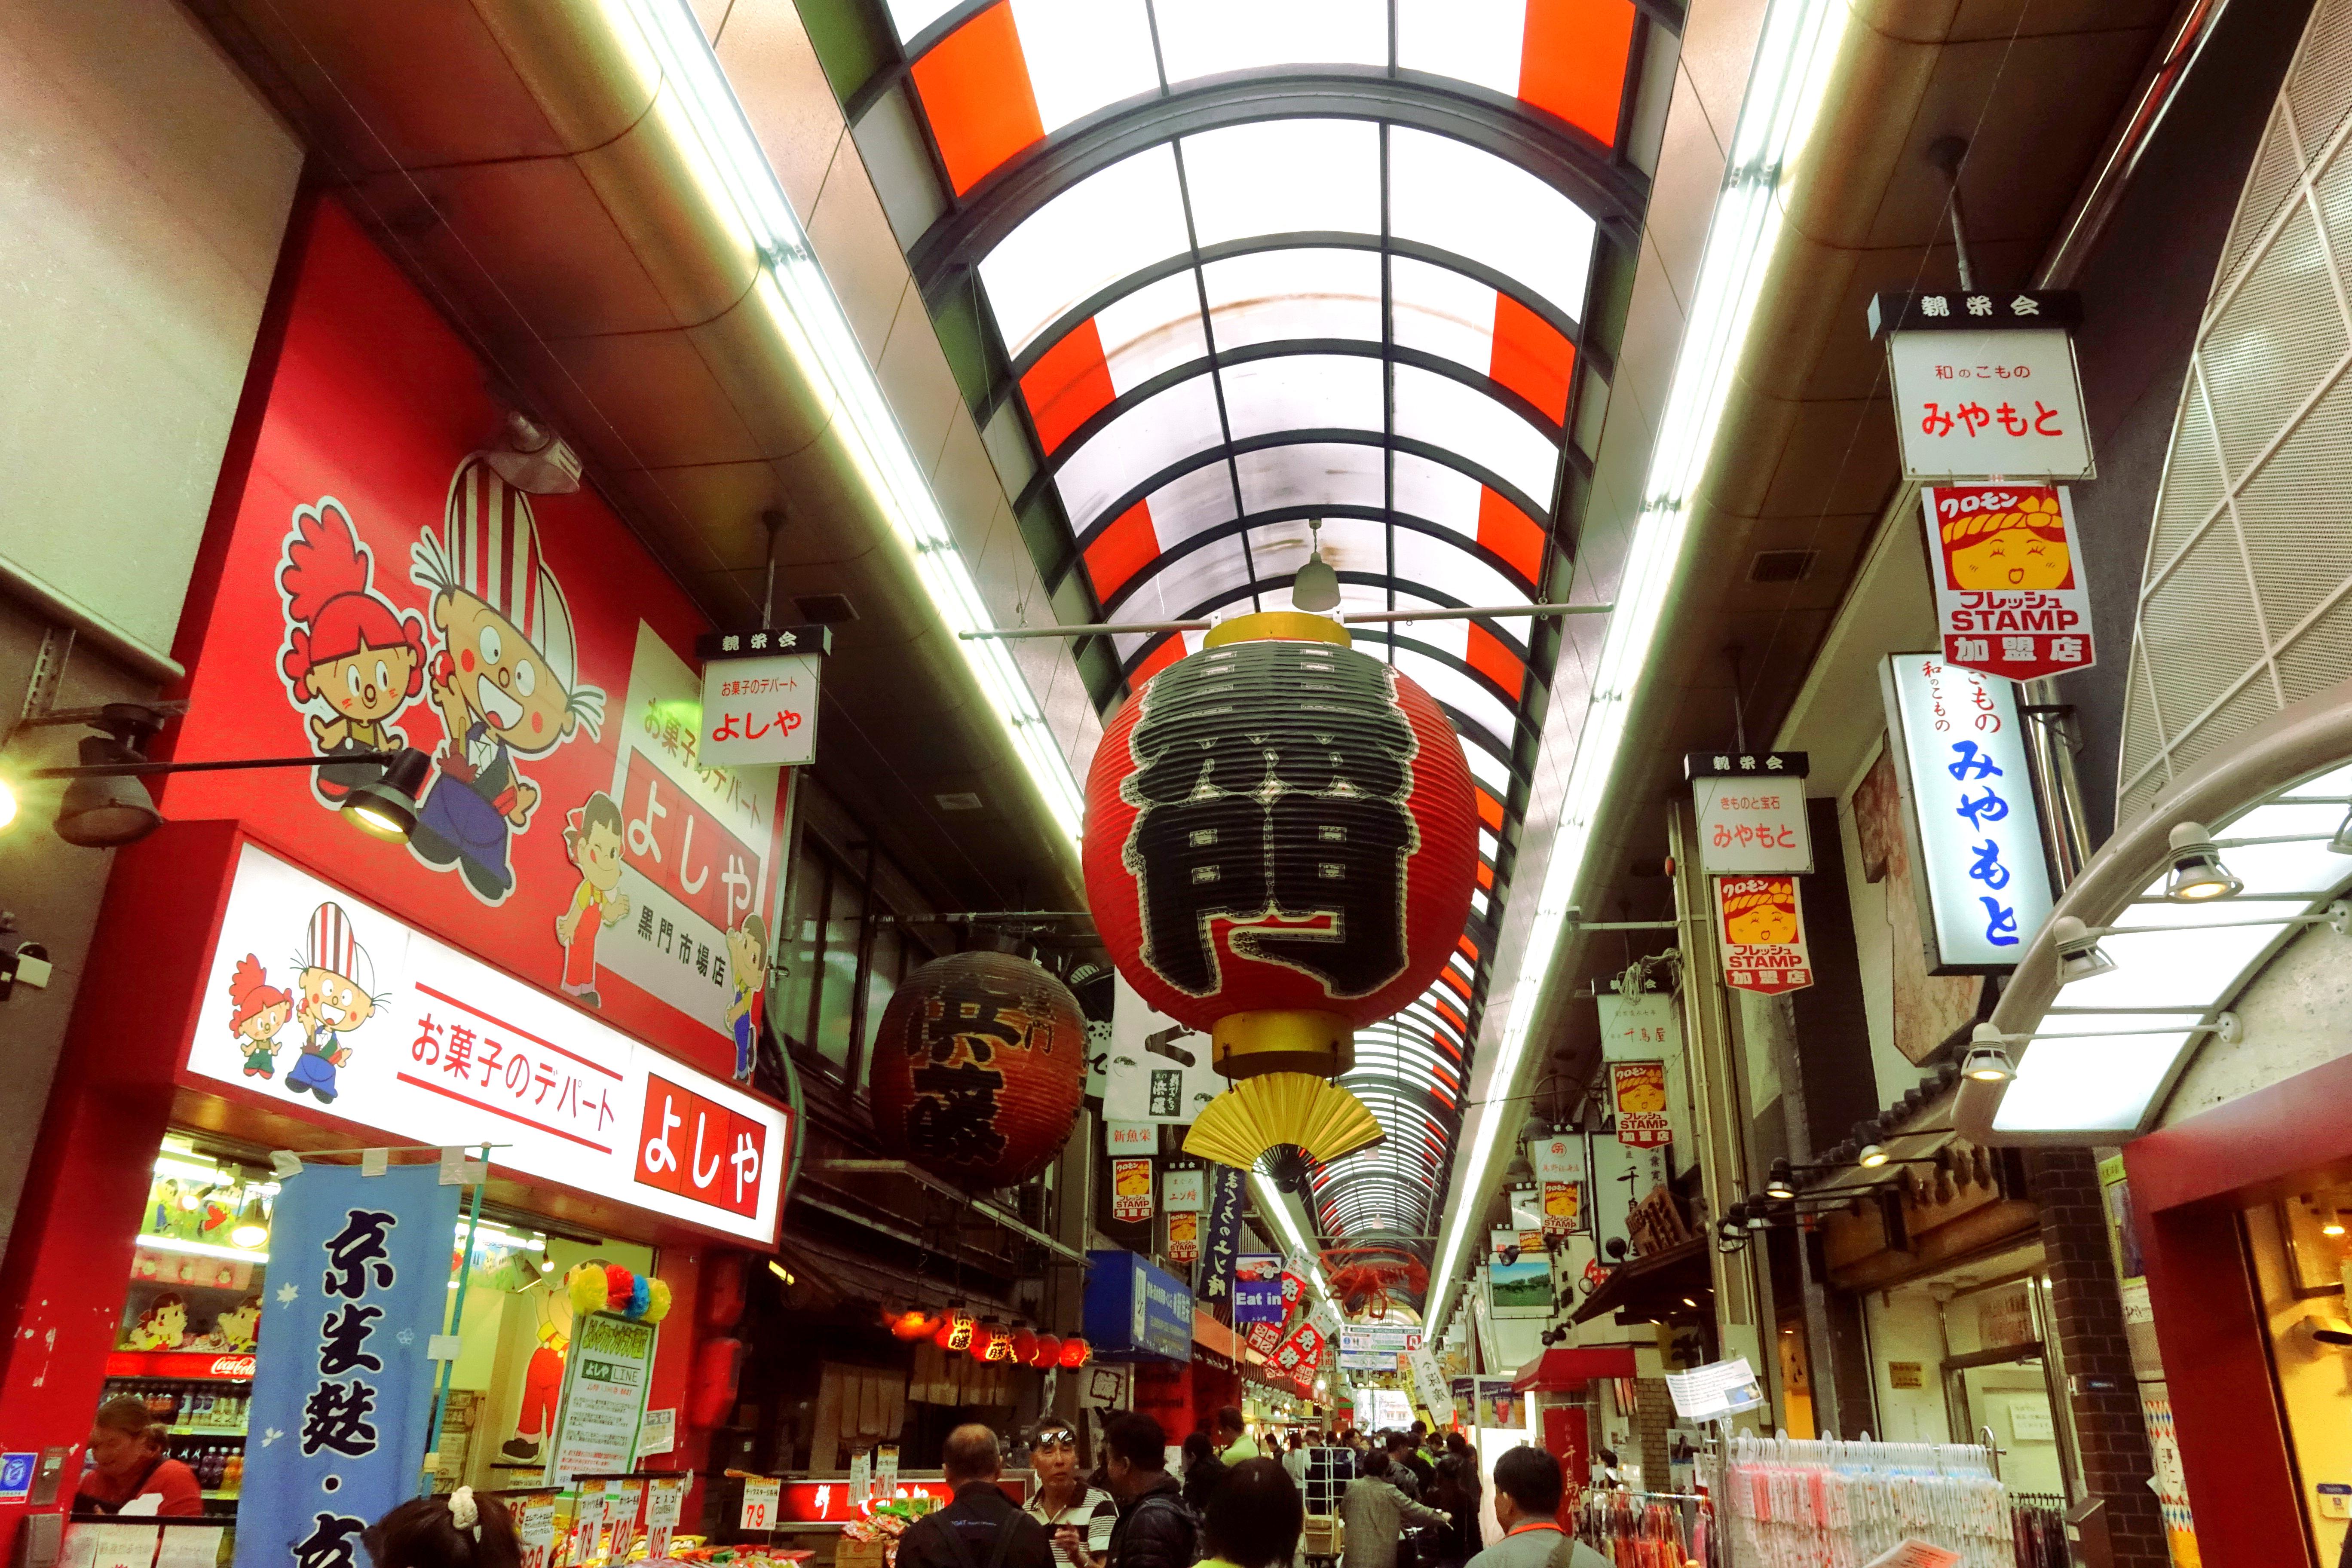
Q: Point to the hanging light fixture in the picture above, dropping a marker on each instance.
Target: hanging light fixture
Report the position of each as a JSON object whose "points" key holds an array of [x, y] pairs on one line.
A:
{"points": [[385, 807], [1781, 1184], [1316, 586], [2198, 874], [1987, 1061], [2080, 957], [252, 1227]]}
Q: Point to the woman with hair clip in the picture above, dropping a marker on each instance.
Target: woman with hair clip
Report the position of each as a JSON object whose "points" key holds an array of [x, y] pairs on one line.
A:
{"points": [[460, 1531]]}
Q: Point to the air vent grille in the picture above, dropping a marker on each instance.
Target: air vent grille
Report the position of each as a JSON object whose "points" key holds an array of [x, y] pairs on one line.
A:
{"points": [[1782, 565], [826, 610]]}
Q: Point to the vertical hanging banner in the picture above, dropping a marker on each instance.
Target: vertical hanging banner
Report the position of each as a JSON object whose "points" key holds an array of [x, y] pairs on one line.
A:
{"points": [[1560, 1180], [1160, 1070], [1637, 1090], [1182, 1194], [342, 1392], [2011, 596], [1220, 1236], [1751, 810], [1130, 1191], [1761, 923], [1960, 764]]}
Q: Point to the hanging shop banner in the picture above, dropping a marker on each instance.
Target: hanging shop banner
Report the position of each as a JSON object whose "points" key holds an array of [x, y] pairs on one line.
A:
{"points": [[1295, 1272], [1131, 1138], [1221, 1234], [381, 586], [1560, 1180], [1263, 1336], [1986, 384], [1761, 920], [1436, 1392], [1715, 1391], [2011, 596], [1183, 1191], [1518, 1274], [1751, 810], [1130, 1191], [604, 1400], [1637, 1091], [408, 1035], [1257, 1288], [1961, 770], [1639, 1026], [1375, 1347], [1160, 1070], [1300, 1352], [759, 696], [1183, 1236], [342, 1392]]}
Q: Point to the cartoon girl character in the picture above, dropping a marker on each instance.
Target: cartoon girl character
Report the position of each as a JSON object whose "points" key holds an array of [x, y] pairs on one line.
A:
{"points": [[503, 679], [1760, 917], [2020, 549], [333, 996], [592, 839], [348, 652], [164, 1324], [747, 959], [258, 1010], [240, 1327]]}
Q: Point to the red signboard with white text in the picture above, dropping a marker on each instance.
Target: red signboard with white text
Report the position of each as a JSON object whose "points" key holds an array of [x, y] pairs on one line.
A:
{"points": [[455, 1052], [380, 585], [2010, 597]]}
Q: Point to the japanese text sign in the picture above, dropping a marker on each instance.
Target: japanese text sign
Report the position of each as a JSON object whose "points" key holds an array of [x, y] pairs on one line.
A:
{"points": [[425, 1043], [1130, 1191], [1751, 810], [1971, 404], [1559, 1163], [1761, 920], [759, 711], [1181, 1192], [1638, 1092], [1962, 763], [1221, 1232], [604, 1404], [1436, 1392], [2011, 596], [1134, 1309], [1257, 1288], [1160, 1070], [342, 1389], [1183, 1236], [1376, 1347]]}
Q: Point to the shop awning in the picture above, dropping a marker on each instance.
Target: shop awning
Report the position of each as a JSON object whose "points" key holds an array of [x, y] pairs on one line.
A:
{"points": [[1567, 1371], [1653, 1287]]}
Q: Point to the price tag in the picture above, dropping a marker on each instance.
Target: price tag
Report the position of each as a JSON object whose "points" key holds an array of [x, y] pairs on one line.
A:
{"points": [[760, 1498], [663, 1498], [535, 1529], [621, 1507], [587, 1519], [885, 1469], [861, 1479]]}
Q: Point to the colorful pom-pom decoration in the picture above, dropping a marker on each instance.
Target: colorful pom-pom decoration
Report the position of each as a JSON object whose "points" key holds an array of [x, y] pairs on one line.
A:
{"points": [[609, 1287], [656, 1301], [587, 1287]]}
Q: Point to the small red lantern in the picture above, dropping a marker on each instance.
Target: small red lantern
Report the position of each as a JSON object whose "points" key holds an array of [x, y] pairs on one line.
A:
{"points": [[1075, 1351], [955, 1330], [998, 1346], [978, 1068], [1048, 1351], [914, 1323], [1025, 1347]]}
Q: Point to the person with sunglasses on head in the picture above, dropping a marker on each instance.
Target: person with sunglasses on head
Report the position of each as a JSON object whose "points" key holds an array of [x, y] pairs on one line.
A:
{"points": [[1078, 1515]]}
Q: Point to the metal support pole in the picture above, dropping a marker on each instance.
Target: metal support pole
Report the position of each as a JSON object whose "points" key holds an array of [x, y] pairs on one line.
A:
{"points": [[2049, 747], [457, 1313], [1947, 153]]}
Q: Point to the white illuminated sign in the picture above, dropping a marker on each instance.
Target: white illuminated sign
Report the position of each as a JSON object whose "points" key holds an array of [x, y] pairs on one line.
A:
{"points": [[393, 1030], [1752, 824], [1976, 406], [1982, 874]]}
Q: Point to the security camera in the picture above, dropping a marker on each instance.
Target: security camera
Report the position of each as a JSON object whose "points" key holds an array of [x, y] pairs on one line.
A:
{"points": [[20, 960]]}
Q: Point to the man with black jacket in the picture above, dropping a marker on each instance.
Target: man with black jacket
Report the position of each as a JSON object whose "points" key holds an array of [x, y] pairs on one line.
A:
{"points": [[1155, 1530], [981, 1528]]}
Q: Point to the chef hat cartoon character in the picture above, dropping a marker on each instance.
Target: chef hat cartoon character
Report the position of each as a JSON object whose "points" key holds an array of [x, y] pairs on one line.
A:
{"points": [[333, 996], [505, 678]]}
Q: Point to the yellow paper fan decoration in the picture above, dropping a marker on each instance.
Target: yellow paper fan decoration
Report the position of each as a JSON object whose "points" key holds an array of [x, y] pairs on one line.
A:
{"points": [[1258, 1113]]}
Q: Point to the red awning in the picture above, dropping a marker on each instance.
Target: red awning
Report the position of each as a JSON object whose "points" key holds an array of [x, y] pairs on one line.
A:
{"points": [[1567, 1371]]}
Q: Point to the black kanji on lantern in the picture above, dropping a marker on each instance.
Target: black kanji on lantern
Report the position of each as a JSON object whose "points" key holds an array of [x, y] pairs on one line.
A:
{"points": [[1271, 779], [957, 1078]]}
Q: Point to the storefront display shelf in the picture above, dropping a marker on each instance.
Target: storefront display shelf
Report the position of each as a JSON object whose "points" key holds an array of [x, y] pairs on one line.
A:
{"points": [[219, 1433]]}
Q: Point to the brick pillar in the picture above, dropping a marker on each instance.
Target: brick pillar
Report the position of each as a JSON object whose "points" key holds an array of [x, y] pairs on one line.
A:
{"points": [[2089, 1312], [1653, 1416]]}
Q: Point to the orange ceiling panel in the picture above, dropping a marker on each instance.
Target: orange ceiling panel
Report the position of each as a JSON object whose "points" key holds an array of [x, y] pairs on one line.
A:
{"points": [[1531, 358], [1572, 61], [974, 84], [1069, 385], [1511, 534], [1492, 659], [1126, 544]]}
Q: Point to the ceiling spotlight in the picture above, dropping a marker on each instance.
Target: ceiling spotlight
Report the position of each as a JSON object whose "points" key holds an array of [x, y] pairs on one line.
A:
{"points": [[252, 1225], [2335, 1226], [1316, 586], [1987, 1062], [532, 459], [1872, 1157], [385, 807], [2080, 957], [1780, 1185], [2198, 873], [104, 812], [8, 804]]}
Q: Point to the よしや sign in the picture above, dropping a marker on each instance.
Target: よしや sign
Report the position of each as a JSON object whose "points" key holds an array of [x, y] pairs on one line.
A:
{"points": [[759, 705], [1760, 922], [2010, 599], [428, 1044]]}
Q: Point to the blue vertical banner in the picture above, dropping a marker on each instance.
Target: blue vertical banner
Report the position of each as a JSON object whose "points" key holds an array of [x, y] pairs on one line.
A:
{"points": [[342, 1389], [1221, 1237]]}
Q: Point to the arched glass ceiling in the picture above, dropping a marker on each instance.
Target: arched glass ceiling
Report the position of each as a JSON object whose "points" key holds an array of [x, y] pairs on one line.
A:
{"points": [[1237, 265]]}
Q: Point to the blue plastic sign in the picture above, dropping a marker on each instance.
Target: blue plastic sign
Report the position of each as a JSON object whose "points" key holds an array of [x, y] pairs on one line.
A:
{"points": [[17, 1477], [342, 1392], [1134, 1311]]}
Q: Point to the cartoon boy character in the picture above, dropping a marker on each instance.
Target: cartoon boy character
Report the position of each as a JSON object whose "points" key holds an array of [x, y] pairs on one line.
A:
{"points": [[163, 1326], [333, 996], [1760, 917], [2021, 548], [747, 960], [240, 1327], [503, 679], [347, 651], [591, 841], [258, 1010]]}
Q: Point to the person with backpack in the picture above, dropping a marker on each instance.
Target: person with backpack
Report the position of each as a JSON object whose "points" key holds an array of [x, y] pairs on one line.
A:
{"points": [[1373, 1515], [981, 1529], [1155, 1528]]}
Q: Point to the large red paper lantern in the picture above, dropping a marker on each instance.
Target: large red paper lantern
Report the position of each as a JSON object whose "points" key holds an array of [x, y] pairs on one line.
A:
{"points": [[1047, 1351], [978, 1068], [1075, 1351], [1281, 844]]}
